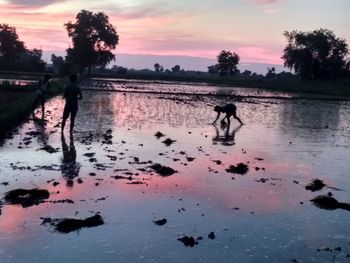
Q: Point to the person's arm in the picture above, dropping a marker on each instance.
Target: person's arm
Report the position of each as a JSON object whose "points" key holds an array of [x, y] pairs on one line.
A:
{"points": [[80, 95], [217, 117]]}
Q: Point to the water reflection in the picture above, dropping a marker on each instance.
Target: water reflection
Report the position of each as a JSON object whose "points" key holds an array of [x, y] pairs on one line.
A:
{"points": [[69, 167], [310, 120], [228, 137]]}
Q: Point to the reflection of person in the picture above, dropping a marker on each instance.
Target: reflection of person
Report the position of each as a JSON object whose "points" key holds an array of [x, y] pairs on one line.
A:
{"points": [[72, 94], [69, 167], [41, 91], [228, 139], [229, 110]]}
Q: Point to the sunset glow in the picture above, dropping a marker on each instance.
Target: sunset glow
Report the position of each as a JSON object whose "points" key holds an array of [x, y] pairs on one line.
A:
{"points": [[252, 28]]}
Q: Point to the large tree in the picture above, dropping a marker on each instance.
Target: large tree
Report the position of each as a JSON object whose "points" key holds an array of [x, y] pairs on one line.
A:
{"points": [[227, 63], [318, 54], [10, 46], [93, 37]]}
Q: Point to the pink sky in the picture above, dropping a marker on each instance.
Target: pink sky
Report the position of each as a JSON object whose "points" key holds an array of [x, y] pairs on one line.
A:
{"points": [[252, 28]]}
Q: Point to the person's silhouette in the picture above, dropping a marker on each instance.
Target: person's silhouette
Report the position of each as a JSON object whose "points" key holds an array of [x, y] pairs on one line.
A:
{"points": [[41, 91], [72, 93], [69, 167], [229, 110]]}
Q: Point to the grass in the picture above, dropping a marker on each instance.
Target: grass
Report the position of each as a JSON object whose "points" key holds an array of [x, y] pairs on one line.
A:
{"points": [[16, 103]]}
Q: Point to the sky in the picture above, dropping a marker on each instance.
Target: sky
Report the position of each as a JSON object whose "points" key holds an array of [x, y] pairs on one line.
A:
{"points": [[196, 28]]}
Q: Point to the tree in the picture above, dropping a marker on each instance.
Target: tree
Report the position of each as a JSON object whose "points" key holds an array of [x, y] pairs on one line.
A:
{"points": [[318, 54], [93, 38], [271, 73], [156, 67], [176, 68], [227, 63], [10, 46], [213, 69], [31, 60]]}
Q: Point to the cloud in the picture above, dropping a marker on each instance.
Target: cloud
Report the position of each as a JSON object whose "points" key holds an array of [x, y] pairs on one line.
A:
{"points": [[264, 2], [36, 3]]}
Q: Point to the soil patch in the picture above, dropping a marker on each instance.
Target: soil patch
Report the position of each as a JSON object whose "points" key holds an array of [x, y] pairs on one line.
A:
{"points": [[26, 198]]}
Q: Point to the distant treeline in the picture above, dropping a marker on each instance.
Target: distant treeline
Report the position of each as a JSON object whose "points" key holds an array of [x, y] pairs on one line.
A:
{"points": [[315, 55]]}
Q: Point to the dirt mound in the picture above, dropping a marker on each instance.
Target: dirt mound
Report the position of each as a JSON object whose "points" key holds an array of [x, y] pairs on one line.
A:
{"points": [[26, 198], [240, 168], [67, 225]]}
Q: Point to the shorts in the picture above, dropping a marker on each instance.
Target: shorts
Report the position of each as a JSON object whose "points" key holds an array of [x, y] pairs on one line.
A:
{"points": [[70, 110]]}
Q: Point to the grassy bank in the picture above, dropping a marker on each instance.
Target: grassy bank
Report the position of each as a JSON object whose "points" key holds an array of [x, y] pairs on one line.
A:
{"points": [[16, 103]]}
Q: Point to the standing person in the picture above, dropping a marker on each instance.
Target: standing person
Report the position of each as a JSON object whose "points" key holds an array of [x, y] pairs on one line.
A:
{"points": [[41, 91], [229, 110], [72, 94]]}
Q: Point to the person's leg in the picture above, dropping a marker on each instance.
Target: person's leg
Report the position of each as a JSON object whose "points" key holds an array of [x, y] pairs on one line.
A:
{"points": [[65, 117], [35, 103], [42, 100], [72, 119], [228, 116], [238, 119]]}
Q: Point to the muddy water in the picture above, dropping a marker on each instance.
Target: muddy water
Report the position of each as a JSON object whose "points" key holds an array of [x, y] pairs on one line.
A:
{"points": [[262, 216]]}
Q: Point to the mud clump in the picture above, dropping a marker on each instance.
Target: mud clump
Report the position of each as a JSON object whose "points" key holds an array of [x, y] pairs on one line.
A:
{"points": [[211, 235], [26, 198], [68, 225], [329, 203], [163, 170], [240, 168], [160, 222], [168, 142], [159, 134], [315, 185], [49, 149], [188, 241]]}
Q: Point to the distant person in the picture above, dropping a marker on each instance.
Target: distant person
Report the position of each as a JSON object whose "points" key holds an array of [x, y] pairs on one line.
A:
{"points": [[229, 110], [41, 91], [72, 93]]}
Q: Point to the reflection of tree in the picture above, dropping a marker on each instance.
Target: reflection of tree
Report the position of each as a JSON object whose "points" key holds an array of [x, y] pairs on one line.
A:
{"points": [[306, 118], [69, 167], [228, 138]]}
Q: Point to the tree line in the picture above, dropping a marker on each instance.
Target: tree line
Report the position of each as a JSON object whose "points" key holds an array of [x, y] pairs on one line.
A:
{"points": [[313, 55]]}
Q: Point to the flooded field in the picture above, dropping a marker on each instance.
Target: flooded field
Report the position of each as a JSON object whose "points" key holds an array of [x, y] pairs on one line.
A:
{"points": [[177, 197]]}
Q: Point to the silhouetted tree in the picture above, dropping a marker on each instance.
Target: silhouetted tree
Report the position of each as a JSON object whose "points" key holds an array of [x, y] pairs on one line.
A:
{"points": [[227, 63], [93, 38], [271, 73], [10, 46], [156, 67], [247, 73], [31, 60], [213, 70], [62, 66], [318, 54], [176, 68], [161, 68], [119, 70]]}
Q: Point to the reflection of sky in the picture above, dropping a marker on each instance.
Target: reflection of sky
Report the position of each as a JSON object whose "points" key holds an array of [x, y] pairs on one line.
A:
{"points": [[269, 215]]}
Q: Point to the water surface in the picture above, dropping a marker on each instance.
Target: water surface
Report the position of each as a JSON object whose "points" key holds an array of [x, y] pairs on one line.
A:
{"points": [[262, 216]]}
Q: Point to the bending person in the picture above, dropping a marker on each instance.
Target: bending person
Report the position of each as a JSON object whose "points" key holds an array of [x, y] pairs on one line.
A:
{"points": [[229, 110]]}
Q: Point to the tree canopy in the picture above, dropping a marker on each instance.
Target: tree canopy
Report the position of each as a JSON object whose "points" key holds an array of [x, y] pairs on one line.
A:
{"points": [[14, 55], [227, 63], [318, 54], [10, 46], [93, 37]]}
